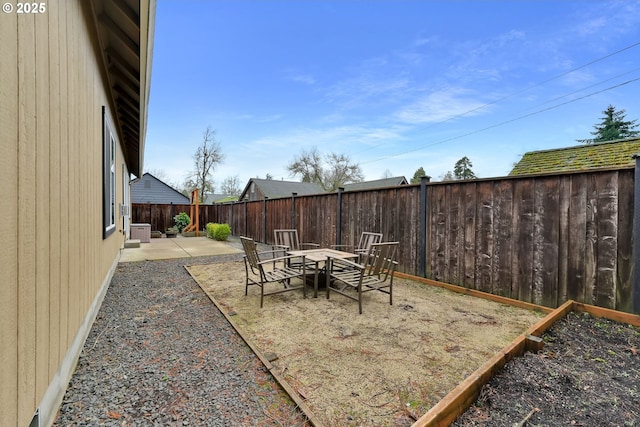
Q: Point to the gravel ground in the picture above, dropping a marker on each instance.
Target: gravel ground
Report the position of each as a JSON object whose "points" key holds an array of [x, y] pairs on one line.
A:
{"points": [[160, 353]]}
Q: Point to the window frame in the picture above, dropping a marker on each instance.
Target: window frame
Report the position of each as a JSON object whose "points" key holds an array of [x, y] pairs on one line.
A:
{"points": [[108, 176]]}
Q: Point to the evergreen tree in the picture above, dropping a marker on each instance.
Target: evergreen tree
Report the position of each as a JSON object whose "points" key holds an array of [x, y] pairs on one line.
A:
{"points": [[462, 169], [418, 175], [612, 126]]}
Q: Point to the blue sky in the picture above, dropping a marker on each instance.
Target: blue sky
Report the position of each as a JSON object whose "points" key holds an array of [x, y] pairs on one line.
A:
{"points": [[395, 85]]}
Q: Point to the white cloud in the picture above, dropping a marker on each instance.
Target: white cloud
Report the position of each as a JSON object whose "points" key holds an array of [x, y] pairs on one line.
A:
{"points": [[364, 90], [303, 78], [339, 138], [269, 119], [441, 106]]}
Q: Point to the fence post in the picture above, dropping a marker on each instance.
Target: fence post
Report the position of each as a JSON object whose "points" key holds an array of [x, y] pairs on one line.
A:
{"points": [[422, 250], [635, 302], [264, 219], [339, 219], [293, 210], [246, 220]]}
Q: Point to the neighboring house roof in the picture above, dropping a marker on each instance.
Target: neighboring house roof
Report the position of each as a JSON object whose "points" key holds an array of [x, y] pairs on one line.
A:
{"points": [[227, 199], [149, 189], [218, 198], [274, 189], [587, 156], [377, 183]]}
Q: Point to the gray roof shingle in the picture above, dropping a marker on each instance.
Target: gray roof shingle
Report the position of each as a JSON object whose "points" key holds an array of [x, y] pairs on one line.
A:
{"points": [[274, 189], [376, 183]]}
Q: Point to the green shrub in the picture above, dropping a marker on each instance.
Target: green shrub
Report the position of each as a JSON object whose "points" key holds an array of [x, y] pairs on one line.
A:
{"points": [[181, 220], [210, 227], [218, 231]]}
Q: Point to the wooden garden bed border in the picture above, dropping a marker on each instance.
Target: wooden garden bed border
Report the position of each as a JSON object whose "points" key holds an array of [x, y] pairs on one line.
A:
{"points": [[460, 398]]}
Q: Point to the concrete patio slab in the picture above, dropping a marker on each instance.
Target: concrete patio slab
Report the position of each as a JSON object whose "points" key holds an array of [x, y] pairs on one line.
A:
{"points": [[178, 247]]}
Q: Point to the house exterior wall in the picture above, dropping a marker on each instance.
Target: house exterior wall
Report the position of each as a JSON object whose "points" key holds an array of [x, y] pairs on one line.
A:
{"points": [[56, 265]]}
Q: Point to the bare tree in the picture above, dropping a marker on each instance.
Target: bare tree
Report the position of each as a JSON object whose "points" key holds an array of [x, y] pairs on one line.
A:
{"points": [[231, 186], [208, 155], [335, 171], [162, 176], [158, 173], [307, 165], [340, 171], [448, 176], [387, 174]]}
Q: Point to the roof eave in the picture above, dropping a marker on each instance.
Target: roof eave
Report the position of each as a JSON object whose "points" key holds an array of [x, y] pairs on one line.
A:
{"points": [[125, 31]]}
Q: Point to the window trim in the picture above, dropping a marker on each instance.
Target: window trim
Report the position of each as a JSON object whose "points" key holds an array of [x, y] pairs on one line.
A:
{"points": [[108, 176]]}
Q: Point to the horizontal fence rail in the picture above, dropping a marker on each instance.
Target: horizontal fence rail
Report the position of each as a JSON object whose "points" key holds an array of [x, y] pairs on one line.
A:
{"points": [[541, 239]]}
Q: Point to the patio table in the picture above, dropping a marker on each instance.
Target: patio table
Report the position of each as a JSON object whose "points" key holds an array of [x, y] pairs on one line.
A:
{"points": [[318, 256]]}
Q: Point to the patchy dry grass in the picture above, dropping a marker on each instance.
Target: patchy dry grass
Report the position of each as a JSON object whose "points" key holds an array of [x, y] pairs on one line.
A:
{"points": [[385, 367]]}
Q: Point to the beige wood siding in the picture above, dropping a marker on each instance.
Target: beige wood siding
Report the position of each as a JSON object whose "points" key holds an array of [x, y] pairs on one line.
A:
{"points": [[55, 262], [9, 212]]}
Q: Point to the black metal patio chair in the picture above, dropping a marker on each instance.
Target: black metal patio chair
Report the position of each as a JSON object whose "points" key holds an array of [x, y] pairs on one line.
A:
{"points": [[376, 274], [273, 269]]}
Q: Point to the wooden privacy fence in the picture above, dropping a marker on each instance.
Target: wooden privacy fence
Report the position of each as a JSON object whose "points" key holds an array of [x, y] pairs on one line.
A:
{"points": [[541, 239], [161, 216]]}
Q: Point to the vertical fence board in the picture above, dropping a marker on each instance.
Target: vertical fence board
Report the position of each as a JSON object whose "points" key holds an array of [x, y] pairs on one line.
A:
{"points": [[470, 197], [522, 261], [389, 210], [545, 250], [577, 230], [625, 245], [607, 251], [502, 248], [456, 235], [590, 259], [408, 232], [484, 237], [438, 239], [405, 203], [348, 219], [563, 238]]}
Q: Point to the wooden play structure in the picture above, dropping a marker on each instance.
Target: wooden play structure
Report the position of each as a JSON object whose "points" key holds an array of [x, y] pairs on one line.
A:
{"points": [[194, 214]]}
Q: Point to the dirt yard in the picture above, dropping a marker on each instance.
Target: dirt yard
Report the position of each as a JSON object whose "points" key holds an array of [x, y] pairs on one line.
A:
{"points": [[385, 367], [588, 374]]}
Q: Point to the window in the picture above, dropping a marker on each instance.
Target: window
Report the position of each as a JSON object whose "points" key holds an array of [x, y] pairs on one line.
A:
{"points": [[108, 177]]}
